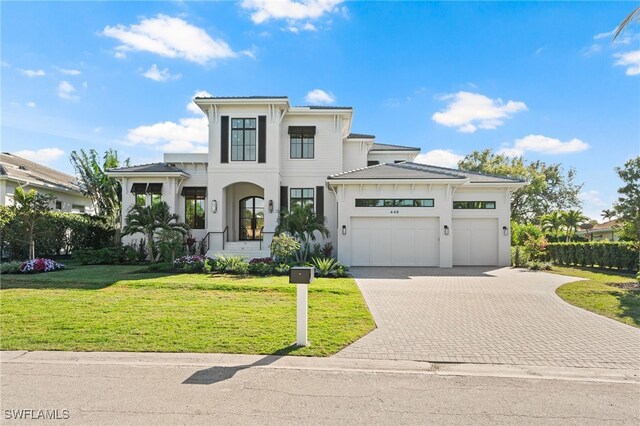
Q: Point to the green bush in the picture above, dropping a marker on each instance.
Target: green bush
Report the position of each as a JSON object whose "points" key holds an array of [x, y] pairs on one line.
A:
{"points": [[282, 269], [538, 266], [620, 255], [261, 267], [520, 233], [231, 265], [10, 267], [519, 257], [328, 267], [284, 247]]}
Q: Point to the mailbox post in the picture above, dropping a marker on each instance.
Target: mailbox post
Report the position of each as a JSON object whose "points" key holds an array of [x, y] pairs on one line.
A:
{"points": [[302, 277]]}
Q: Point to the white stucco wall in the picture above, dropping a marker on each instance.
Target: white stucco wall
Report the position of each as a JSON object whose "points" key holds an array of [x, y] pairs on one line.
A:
{"points": [[68, 199], [391, 157]]}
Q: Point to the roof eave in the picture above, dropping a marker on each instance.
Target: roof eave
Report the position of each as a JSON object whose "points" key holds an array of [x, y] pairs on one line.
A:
{"points": [[360, 181], [514, 184], [146, 174], [393, 151]]}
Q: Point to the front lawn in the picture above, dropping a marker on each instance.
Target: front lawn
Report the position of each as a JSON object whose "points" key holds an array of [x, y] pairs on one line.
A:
{"points": [[118, 308], [597, 294]]}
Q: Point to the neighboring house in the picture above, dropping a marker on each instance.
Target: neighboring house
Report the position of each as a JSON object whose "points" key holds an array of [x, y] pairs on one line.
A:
{"points": [[18, 172], [605, 231], [381, 209]]}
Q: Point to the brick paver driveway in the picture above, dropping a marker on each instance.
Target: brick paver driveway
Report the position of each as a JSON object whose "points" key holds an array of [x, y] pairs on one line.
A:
{"points": [[486, 315]]}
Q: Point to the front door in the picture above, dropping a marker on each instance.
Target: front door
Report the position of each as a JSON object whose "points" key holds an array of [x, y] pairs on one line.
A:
{"points": [[251, 218]]}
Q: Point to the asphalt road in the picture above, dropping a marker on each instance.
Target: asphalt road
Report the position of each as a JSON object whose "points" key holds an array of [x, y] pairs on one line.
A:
{"points": [[177, 393]]}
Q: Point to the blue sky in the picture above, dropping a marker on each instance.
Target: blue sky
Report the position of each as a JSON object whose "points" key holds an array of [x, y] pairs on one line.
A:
{"points": [[538, 79]]}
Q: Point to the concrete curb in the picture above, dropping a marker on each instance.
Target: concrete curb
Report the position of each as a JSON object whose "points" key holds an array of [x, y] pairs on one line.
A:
{"points": [[143, 359]]}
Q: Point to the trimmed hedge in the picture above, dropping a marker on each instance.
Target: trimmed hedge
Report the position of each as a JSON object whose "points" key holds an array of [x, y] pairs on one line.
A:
{"points": [[621, 255]]}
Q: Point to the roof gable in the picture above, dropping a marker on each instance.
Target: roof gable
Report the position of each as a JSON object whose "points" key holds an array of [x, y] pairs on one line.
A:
{"points": [[14, 167]]}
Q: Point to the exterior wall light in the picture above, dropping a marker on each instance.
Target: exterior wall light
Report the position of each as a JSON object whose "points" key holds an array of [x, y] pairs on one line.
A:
{"points": [[270, 206], [505, 231], [214, 206], [446, 230], [344, 229]]}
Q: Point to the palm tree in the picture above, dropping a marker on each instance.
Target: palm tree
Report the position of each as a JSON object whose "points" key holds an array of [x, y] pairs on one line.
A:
{"points": [[303, 224], [634, 15], [553, 222], [572, 219], [149, 219], [608, 214]]}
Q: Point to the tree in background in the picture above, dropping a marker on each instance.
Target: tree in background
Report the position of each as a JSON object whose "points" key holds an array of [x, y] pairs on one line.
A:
{"points": [[554, 223], [105, 192], [549, 187], [608, 214], [572, 219], [627, 207], [30, 208], [148, 220]]}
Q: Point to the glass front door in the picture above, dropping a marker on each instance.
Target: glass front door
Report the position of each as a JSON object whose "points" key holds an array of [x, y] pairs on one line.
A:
{"points": [[251, 218]]}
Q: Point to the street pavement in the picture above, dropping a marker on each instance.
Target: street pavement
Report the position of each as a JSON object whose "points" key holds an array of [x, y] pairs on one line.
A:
{"points": [[159, 389]]}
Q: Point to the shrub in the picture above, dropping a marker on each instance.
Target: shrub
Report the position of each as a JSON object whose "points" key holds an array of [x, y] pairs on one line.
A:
{"points": [[40, 264], [284, 247], [520, 233], [282, 269], [190, 264], [10, 267], [519, 257], [538, 266], [621, 255], [160, 267], [327, 249], [261, 266], [328, 267], [103, 256], [535, 247], [232, 265]]}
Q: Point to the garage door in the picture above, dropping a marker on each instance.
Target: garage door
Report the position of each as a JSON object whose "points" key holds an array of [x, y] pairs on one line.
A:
{"points": [[397, 241], [475, 241]]}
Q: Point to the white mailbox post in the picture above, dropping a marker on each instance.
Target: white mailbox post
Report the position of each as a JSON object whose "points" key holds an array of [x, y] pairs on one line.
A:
{"points": [[302, 277]]}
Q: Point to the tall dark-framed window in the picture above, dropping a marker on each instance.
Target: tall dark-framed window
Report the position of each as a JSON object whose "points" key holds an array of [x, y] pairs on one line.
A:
{"points": [[302, 145], [139, 191], [243, 139], [194, 206], [301, 197], [155, 190]]}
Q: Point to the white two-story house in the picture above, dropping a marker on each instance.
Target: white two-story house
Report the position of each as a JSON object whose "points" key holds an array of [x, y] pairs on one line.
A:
{"points": [[381, 208]]}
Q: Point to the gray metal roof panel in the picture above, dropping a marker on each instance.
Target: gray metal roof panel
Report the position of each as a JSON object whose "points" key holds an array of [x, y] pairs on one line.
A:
{"points": [[149, 168], [389, 147]]}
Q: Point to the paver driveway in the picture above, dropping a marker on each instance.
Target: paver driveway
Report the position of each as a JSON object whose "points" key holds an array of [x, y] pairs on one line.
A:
{"points": [[486, 315]]}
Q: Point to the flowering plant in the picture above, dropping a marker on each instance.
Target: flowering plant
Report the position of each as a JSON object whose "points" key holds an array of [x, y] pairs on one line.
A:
{"points": [[189, 260], [40, 265], [266, 260]]}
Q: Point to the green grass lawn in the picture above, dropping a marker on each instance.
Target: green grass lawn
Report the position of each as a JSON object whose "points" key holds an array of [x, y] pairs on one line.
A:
{"points": [[596, 295], [117, 308]]}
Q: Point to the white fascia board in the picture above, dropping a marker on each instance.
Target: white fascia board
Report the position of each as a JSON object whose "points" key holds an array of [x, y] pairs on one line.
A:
{"points": [[404, 151], [515, 185], [308, 111], [458, 182], [41, 185], [148, 174], [241, 101]]}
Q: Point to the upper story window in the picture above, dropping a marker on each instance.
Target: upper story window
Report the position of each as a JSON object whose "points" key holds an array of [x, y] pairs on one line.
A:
{"points": [[58, 205], [474, 204], [372, 163], [155, 190], [243, 139], [301, 197], [302, 141]]}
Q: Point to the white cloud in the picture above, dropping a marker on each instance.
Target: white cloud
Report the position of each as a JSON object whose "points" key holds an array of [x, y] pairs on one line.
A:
{"points": [[319, 97], [469, 111], [169, 37], [440, 157], [265, 10], [543, 145], [31, 104], [631, 60], [592, 204], [33, 73], [97, 129], [604, 35], [156, 74], [192, 107], [68, 71], [65, 91], [85, 84], [42, 156]]}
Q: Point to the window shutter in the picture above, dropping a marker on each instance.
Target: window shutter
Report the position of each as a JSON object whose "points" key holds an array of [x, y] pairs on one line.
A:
{"points": [[284, 197], [224, 139], [320, 201], [262, 139]]}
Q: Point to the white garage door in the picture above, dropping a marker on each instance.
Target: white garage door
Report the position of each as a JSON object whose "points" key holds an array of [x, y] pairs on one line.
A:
{"points": [[394, 241], [475, 241]]}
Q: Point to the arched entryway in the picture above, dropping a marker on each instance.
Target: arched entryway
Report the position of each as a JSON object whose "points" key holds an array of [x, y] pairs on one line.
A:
{"points": [[251, 218]]}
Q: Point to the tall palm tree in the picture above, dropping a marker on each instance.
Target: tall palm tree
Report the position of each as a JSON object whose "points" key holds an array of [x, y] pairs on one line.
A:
{"points": [[147, 220], [303, 224], [608, 214], [553, 222], [572, 219]]}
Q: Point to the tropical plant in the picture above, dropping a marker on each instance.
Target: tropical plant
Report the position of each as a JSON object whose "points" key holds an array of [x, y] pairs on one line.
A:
{"points": [[571, 220], [10, 267], [261, 266], [148, 220], [553, 222], [231, 264], [105, 191], [303, 224], [608, 214], [171, 244], [328, 267], [30, 208], [284, 247], [633, 16]]}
